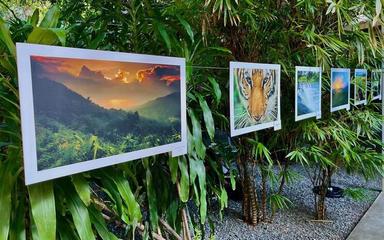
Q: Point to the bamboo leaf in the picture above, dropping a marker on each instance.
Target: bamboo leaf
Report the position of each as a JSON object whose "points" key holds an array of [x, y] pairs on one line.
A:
{"points": [[43, 209]]}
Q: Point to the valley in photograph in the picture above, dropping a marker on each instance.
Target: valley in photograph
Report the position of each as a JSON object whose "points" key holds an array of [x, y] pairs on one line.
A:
{"points": [[308, 92], [340, 88], [88, 109]]}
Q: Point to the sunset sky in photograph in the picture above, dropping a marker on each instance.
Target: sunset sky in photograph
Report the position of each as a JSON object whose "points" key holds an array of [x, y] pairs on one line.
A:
{"points": [[111, 84]]}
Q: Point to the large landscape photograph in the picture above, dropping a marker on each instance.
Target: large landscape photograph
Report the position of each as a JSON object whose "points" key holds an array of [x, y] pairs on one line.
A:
{"points": [[88, 109], [340, 83], [255, 96], [308, 92]]}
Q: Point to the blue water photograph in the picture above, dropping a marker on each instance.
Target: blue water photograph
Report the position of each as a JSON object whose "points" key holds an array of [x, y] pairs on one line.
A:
{"points": [[308, 92]]}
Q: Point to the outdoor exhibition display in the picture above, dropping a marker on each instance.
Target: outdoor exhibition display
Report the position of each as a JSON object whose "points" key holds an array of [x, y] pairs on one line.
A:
{"points": [[87, 109]]}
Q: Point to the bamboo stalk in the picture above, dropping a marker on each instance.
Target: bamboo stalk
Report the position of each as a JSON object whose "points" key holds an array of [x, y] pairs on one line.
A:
{"points": [[170, 229]]}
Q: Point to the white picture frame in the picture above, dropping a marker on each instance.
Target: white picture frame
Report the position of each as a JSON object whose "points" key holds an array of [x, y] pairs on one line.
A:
{"points": [[276, 124], [317, 114], [335, 72], [24, 53], [364, 101]]}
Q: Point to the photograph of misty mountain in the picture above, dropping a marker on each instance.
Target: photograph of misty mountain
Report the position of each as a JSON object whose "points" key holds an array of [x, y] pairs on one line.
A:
{"points": [[88, 109]]}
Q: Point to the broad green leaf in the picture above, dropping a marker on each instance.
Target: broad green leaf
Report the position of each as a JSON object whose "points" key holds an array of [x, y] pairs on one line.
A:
{"points": [[82, 188], [51, 18], [100, 226], [35, 17], [184, 180], [216, 89], [7, 182], [152, 200], [173, 168], [80, 216], [129, 199], [164, 34], [5, 37], [187, 27], [43, 207], [197, 135], [43, 36], [208, 119]]}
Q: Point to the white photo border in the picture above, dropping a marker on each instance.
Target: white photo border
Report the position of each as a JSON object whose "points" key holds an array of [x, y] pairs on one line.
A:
{"points": [[32, 174], [275, 124], [345, 106], [355, 87], [313, 114], [378, 97]]}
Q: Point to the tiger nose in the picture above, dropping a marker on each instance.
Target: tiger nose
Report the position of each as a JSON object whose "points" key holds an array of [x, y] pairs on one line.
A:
{"points": [[256, 117]]}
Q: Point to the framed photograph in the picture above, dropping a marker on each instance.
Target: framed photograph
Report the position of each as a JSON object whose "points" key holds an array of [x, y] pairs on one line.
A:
{"points": [[254, 97], [360, 86], [375, 84], [87, 109], [340, 89], [308, 93]]}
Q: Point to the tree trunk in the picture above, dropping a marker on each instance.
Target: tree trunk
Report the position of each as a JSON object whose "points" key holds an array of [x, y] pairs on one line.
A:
{"points": [[320, 203]]}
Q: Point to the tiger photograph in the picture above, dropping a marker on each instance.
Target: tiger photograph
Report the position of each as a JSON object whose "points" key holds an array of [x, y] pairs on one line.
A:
{"points": [[255, 92]]}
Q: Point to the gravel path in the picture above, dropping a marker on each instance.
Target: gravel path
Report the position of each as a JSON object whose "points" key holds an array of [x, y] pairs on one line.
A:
{"points": [[295, 223]]}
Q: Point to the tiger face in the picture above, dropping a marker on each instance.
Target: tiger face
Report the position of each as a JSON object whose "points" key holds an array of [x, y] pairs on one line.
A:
{"points": [[256, 86]]}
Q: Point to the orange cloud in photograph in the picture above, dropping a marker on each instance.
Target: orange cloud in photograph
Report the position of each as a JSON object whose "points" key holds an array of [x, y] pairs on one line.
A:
{"points": [[338, 84], [111, 84]]}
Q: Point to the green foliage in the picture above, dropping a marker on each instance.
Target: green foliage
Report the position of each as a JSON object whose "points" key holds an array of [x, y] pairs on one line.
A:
{"points": [[206, 33]]}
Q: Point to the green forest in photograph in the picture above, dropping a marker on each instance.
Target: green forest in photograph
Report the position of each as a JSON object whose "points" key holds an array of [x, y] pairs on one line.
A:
{"points": [[89, 109]]}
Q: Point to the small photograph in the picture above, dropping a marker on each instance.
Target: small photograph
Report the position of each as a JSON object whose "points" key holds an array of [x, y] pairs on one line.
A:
{"points": [[254, 97], [308, 92], [96, 108], [360, 83], [340, 89], [376, 81]]}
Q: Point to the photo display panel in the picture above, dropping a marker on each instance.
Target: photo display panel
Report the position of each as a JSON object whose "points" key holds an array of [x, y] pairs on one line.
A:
{"points": [[340, 89], [254, 97], [86, 109], [308, 93], [375, 84], [360, 86]]}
